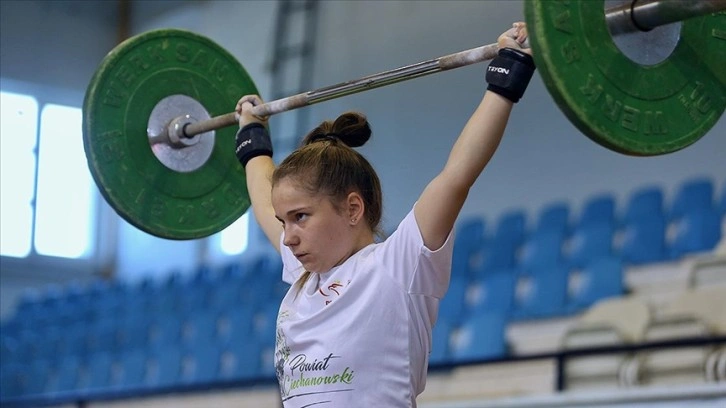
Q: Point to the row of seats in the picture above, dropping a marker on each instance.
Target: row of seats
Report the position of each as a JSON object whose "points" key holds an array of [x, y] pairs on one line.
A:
{"points": [[695, 313], [622, 320], [647, 229], [541, 292], [219, 324], [213, 326], [484, 306], [249, 285]]}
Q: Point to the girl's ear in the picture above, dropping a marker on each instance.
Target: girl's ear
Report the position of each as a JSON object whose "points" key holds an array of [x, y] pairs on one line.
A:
{"points": [[356, 208]]}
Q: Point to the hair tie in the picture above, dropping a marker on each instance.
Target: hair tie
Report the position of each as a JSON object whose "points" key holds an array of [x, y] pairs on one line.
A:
{"points": [[327, 136]]}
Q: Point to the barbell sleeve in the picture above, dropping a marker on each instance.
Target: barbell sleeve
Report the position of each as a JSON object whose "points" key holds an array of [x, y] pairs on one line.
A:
{"points": [[645, 15]]}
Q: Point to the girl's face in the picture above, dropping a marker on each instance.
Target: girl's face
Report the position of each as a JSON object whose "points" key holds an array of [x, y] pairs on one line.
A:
{"points": [[317, 233]]}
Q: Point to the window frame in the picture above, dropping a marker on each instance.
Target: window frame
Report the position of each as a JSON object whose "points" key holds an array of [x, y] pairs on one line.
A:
{"points": [[34, 265], [102, 260]]}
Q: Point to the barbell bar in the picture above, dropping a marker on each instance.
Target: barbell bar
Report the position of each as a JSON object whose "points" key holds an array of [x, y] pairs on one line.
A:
{"points": [[642, 15], [444, 63], [170, 177]]}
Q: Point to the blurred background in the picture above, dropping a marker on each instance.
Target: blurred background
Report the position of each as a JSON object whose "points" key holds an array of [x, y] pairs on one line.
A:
{"points": [[561, 244]]}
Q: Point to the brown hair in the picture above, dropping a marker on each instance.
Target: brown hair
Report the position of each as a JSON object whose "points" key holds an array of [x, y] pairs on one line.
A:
{"points": [[327, 164]]}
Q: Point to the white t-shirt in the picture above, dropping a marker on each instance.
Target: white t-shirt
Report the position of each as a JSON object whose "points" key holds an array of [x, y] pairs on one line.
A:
{"points": [[360, 334]]}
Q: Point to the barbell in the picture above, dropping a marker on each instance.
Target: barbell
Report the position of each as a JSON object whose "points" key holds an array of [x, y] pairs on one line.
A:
{"points": [[642, 78]]}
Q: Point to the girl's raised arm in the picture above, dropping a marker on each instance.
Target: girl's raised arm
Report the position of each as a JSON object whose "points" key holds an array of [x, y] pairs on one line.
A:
{"points": [[441, 201]]}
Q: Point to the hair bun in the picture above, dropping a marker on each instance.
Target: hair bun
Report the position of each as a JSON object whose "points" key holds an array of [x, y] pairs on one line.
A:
{"points": [[352, 128]]}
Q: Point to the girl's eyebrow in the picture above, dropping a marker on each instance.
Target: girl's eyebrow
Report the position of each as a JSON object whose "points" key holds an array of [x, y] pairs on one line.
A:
{"points": [[296, 210], [293, 211]]}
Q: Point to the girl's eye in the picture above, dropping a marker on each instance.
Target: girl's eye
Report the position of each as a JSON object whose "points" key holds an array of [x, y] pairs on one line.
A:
{"points": [[300, 216]]}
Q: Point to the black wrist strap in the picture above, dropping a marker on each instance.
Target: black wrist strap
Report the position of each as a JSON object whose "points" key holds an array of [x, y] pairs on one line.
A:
{"points": [[252, 140], [509, 73]]}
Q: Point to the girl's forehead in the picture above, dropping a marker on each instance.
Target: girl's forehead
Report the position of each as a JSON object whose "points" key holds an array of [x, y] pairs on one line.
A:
{"points": [[291, 193], [289, 187]]}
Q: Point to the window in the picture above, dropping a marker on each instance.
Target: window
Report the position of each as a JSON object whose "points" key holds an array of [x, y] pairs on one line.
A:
{"points": [[18, 135], [48, 204], [65, 201], [233, 239]]}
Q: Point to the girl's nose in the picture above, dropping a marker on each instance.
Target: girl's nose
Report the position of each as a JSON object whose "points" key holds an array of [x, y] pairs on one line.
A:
{"points": [[290, 238]]}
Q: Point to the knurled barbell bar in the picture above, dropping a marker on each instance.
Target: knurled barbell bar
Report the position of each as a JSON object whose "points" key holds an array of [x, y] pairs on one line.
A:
{"points": [[171, 179]]}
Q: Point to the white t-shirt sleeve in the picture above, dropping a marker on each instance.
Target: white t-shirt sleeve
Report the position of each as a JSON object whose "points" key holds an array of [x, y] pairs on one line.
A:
{"points": [[291, 267], [416, 268]]}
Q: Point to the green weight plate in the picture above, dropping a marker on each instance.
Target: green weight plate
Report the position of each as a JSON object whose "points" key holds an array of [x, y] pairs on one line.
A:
{"points": [[640, 110], [129, 83]]}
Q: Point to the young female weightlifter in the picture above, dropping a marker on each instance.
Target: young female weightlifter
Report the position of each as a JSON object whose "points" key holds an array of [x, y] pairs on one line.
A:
{"points": [[354, 330]]}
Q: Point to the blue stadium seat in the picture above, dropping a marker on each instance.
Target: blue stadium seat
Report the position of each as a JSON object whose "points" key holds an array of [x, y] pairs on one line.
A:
{"points": [[49, 303], [140, 300], [495, 255], [693, 194], [541, 249], [236, 325], [98, 371], [204, 364], [240, 360], [166, 366], [541, 294], [695, 231], [554, 216], [117, 294], [11, 380], [71, 308], [451, 306], [267, 266], [104, 336], [197, 296], [601, 278], [68, 376], [722, 201], [268, 366], [590, 242], [133, 369], [598, 209], [643, 241], [493, 292], [645, 202], [440, 342], [264, 323], [203, 274], [199, 290], [233, 271], [8, 346], [26, 379], [480, 337], [23, 379], [200, 327], [279, 290], [98, 297], [265, 283], [29, 345], [48, 342], [511, 227], [228, 293], [165, 330], [75, 340], [167, 295], [468, 244], [134, 332]]}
